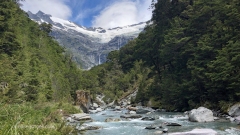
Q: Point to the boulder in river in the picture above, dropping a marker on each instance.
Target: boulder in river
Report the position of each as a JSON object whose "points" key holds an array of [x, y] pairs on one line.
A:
{"points": [[118, 108], [112, 119], [151, 127], [132, 108], [142, 111], [196, 132], [158, 132], [92, 111], [148, 118], [201, 114], [165, 130], [234, 111], [172, 124], [132, 112], [99, 109], [133, 116]]}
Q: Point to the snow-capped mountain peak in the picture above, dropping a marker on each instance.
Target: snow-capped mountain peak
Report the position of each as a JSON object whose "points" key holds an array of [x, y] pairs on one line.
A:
{"points": [[104, 35], [89, 46]]}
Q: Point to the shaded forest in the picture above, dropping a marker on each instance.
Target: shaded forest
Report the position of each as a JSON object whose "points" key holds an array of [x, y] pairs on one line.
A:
{"points": [[187, 56]]}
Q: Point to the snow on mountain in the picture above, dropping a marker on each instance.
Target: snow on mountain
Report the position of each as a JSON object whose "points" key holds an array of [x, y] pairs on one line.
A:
{"points": [[105, 36], [89, 46]]}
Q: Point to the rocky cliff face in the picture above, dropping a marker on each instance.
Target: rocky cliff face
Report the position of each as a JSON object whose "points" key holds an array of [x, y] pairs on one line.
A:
{"points": [[89, 46], [83, 100]]}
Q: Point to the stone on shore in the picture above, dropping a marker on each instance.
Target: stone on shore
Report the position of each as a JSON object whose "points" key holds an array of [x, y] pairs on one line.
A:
{"points": [[201, 114], [118, 108], [87, 127], [80, 116], [95, 105], [196, 132], [234, 111]]}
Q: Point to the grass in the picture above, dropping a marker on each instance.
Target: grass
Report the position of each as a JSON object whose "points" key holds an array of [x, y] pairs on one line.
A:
{"points": [[35, 119]]}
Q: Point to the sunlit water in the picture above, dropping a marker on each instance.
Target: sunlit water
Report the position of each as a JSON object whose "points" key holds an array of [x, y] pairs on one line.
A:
{"points": [[137, 126]]}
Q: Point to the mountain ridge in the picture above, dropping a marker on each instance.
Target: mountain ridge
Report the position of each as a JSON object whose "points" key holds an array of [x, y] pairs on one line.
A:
{"points": [[89, 46]]}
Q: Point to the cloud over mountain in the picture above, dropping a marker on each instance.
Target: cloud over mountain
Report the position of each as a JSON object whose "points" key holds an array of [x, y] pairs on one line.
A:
{"points": [[122, 13]]}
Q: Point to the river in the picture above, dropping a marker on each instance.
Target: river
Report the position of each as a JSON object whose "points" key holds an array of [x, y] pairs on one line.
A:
{"points": [[137, 126]]}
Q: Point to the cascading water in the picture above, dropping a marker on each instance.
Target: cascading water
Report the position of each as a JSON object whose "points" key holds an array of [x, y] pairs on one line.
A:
{"points": [[137, 126]]}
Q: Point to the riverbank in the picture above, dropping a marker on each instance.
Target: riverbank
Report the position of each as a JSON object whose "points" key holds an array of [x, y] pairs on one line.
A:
{"points": [[132, 126], [37, 119]]}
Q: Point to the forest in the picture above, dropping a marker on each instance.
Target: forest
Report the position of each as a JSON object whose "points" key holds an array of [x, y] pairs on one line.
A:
{"points": [[188, 56], [37, 76]]}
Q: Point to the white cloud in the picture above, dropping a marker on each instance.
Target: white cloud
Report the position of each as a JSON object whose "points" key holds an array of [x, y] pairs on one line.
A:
{"points": [[82, 14], [122, 13], [56, 8]]}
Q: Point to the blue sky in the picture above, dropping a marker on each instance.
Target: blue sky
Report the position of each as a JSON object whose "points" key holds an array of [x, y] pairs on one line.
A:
{"points": [[94, 13]]}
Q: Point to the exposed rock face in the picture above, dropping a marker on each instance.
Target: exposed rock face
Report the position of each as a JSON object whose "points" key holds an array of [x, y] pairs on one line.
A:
{"points": [[83, 100], [89, 46], [234, 111], [201, 114], [197, 132]]}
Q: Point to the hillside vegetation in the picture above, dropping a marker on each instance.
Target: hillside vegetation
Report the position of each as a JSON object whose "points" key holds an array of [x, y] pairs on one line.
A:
{"points": [[37, 77], [188, 56]]}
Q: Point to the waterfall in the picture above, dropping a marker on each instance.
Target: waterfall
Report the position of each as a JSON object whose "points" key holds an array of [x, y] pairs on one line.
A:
{"points": [[99, 59]]}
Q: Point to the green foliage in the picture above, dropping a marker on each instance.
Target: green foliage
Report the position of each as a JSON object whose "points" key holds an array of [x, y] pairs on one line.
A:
{"points": [[188, 57], [32, 63], [34, 119]]}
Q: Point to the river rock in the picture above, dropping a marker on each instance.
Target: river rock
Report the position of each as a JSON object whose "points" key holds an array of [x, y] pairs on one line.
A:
{"points": [[158, 132], [132, 108], [234, 111], [196, 132], [142, 111], [99, 109], [165, 130], [201, 114], [80, 116], [173, 124], [118, 108], [148, 118], [112, 119], [151, 127], [86, 127], [132, 112], [92, 111], [95, 105], [237, 118], [133, 116]]}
